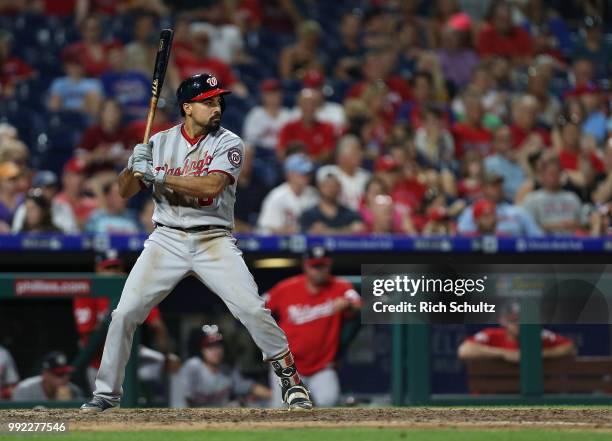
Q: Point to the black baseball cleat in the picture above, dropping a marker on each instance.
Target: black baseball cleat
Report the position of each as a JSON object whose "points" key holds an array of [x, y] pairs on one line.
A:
{"points": [[96, 405], [298, 398]]}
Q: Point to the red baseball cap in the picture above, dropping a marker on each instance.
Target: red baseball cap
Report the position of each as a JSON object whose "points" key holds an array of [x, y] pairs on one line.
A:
{"points": [[483, 207], [386, 163], [75, 165], [459, 22], [313, 79], [270, 85], [211, 336]]}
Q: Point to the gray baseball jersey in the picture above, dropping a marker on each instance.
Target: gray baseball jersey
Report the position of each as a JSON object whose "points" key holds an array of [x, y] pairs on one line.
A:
{"points": [[31, 389], [180, 155], [203, 387], [170, 254], [8, 371]]}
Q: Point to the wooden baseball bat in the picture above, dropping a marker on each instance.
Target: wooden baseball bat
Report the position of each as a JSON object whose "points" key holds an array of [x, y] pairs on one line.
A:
{"points": [[159, 73]]}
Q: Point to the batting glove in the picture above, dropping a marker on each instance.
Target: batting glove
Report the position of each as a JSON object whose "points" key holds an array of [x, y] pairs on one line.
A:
{"points": [[145, 168], [143, 151]]}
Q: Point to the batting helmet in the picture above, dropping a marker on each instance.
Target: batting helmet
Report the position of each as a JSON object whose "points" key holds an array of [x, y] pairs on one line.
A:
{"points": [[198, 88]]}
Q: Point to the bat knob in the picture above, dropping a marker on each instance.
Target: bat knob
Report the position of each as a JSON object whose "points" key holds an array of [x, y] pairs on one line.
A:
{"points": [[138, 175]]}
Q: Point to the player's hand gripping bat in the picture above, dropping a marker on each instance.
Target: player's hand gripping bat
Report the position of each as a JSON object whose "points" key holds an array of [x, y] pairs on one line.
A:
{"points": [[159, 72]]}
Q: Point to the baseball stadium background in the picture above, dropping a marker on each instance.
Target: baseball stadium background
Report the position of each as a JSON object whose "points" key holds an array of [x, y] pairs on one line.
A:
{"points": [[480, 128]]}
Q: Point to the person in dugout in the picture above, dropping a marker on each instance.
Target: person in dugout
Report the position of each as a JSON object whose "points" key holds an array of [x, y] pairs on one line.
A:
{"points": [[503, 342], [311, 308]]}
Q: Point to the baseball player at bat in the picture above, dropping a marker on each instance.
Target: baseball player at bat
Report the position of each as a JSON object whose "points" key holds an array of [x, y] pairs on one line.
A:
{"points": [[192, 169]]}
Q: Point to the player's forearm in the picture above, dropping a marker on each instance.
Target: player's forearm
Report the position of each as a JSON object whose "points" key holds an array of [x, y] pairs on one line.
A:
{"points": [[560, 351], [471, 351], [209, 186], [129, 185]]}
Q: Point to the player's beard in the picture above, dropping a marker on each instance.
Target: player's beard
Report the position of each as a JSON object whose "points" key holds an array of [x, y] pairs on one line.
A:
{"points": [[213, 123]]}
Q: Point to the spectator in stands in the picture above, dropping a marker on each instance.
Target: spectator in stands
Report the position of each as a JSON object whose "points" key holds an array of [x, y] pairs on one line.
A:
{"points": [[471, 134], [142, 49], [574, 159], [114, 218], [582, 73], [527, 135], [74, 92], [434, 143], [251, 190], [512, 220], [503, 342], [283, 206], [344, 57], [538, 86], [207, 381], [499, 36], [485, 217], [102, 147], [593, 46], [225, 37], [327, 111], [8, 374], [318, 137], [146, 216], [129, 87], [297, 59], [379, 65], [199, 60], [13, 70], [75, 193], [412, 111], [456, 56], [9, 197], [438, 223], [469, 186], [37, 216], [353, 178], [45, 185], [93, 50], [504, 162], [329, 216], [595, 121], [555, 210], [263, 123], [374, 210], [53, 384]]}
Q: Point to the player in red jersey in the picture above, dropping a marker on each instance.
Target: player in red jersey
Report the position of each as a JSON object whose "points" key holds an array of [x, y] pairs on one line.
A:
{"points": [[503, 342], [311, 308]]}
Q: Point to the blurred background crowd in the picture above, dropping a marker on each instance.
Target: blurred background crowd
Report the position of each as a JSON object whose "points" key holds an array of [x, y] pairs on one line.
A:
{"points": [[445, 117]]}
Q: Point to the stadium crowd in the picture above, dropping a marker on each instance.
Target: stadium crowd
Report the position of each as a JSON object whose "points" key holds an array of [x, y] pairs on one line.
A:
{"points": [[359, 117]]}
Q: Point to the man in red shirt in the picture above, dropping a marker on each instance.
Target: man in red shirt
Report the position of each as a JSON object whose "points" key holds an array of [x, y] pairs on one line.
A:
{"points": [[471, 134], [500, 37], [198, 60], [503, 342], [90, 311], [311, 308], [74, 191], [318, 138]]}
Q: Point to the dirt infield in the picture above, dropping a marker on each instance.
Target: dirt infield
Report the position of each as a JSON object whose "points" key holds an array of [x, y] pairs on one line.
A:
{"points": [[242, 419]]}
